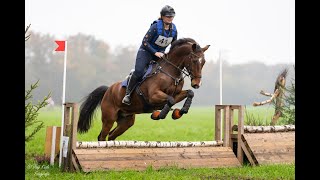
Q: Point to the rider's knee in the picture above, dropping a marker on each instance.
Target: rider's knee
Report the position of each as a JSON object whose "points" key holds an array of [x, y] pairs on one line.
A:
{"points": [[138, 73]]}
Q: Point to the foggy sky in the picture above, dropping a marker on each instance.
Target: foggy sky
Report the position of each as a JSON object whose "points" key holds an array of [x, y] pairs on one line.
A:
{"points": [[242, 30]]}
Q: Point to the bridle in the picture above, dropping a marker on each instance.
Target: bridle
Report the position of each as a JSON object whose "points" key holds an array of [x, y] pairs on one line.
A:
{"points": [[186, 70], [190, 72]]}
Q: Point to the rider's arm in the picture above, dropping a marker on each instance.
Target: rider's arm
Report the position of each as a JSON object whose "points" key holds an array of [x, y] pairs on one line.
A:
{"points": [[147, 40]]}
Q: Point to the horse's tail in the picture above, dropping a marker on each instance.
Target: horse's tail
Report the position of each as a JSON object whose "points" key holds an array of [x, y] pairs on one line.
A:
{"points": [[88, 107]]}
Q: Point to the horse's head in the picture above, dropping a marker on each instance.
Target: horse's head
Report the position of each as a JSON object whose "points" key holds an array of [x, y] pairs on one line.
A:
{"points": [[186, 53], [194, 64]]}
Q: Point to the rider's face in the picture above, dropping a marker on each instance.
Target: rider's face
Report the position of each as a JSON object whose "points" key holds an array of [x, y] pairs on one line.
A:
{"points": [[167, 19]]}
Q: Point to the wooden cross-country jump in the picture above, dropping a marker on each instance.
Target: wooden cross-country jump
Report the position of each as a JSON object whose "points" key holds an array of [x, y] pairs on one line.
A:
{"points": [[268, 144], [224, 151], [139, 155]]}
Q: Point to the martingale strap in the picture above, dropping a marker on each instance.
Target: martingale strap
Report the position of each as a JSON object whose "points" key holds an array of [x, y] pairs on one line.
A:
{"points": [[176, 80]]}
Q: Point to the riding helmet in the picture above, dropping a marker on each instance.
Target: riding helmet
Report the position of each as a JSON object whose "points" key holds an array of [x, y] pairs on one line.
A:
{"points": [[167, 11]]}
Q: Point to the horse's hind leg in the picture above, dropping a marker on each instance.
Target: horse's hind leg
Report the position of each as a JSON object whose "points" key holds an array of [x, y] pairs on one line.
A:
{"points": [[123, 124], [108, 119]]}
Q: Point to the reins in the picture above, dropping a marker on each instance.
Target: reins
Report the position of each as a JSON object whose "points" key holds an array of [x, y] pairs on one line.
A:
{"points": [[182, 71]]}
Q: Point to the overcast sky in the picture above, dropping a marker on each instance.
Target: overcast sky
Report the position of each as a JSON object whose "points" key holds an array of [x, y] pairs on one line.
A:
{"points": [[242, 30]]}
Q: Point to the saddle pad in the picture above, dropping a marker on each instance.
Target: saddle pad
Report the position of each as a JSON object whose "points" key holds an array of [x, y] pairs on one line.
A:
{"points": [[125, 82]]}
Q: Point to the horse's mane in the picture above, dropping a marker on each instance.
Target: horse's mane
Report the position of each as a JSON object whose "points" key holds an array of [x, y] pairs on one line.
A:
{"points": [[181, 41]]}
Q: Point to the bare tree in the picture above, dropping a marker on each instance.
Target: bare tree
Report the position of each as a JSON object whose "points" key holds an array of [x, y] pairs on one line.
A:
{"points": [[277, 95]]}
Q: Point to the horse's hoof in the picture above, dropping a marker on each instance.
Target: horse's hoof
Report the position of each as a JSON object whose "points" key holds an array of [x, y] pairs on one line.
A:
{"points": [[155, 115], [176, 114]]}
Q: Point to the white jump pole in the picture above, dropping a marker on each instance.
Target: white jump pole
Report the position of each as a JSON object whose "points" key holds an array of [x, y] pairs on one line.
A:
{"points": [[220, 76], [63, 101]]}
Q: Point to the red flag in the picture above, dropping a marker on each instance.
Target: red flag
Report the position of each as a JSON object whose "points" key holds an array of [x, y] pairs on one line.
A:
{"points": [[61, 45]]}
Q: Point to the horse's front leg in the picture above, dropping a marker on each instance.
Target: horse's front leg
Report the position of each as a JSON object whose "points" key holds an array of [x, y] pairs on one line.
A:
{"points": [[158, 98], [177, 113], [181, 96]]}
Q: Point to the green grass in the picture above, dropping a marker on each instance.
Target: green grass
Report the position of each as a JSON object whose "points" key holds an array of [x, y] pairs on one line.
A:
{"points": [[197, 125], [34, 171]]}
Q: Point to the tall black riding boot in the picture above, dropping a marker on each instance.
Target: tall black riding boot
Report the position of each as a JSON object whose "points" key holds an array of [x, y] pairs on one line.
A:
{"points": [[132, 81]]}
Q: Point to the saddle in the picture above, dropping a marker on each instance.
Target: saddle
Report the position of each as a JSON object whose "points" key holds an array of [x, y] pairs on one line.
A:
{"points": [[148, 72], [152, 69]]}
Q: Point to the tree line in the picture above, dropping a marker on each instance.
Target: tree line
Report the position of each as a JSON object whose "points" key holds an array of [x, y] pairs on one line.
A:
{"points": [[91, 63]]}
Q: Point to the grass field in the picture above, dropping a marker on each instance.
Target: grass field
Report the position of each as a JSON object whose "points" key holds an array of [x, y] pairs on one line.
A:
{"points": [[197, 125]]}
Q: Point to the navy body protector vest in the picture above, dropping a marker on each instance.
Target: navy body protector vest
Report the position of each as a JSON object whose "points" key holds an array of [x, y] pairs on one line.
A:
{"points": [[163, 39]]}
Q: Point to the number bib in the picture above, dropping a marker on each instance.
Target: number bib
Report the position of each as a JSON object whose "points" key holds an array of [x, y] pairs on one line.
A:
{"points": [[163, 41]]}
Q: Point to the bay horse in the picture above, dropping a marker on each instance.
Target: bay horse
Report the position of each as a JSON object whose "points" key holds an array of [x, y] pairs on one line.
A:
{"points": [[159, 91]]}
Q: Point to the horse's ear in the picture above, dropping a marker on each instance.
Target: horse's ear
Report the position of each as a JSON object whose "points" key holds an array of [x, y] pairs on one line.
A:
{"points": [[194, 47], [205, 48]]}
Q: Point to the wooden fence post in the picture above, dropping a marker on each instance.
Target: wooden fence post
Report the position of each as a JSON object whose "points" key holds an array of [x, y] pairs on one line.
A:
{"points": [[70, 130], [228, 121]]}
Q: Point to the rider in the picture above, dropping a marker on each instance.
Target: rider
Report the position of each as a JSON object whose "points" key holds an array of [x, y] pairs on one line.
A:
{"points": [[161, 33]]}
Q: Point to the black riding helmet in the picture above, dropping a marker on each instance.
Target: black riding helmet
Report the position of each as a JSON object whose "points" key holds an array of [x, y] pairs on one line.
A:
{"points": [[167, 11]]}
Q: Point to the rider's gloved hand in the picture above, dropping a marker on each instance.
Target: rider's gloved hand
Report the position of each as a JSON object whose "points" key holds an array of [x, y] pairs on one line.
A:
{"points": [[159, 54]]}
